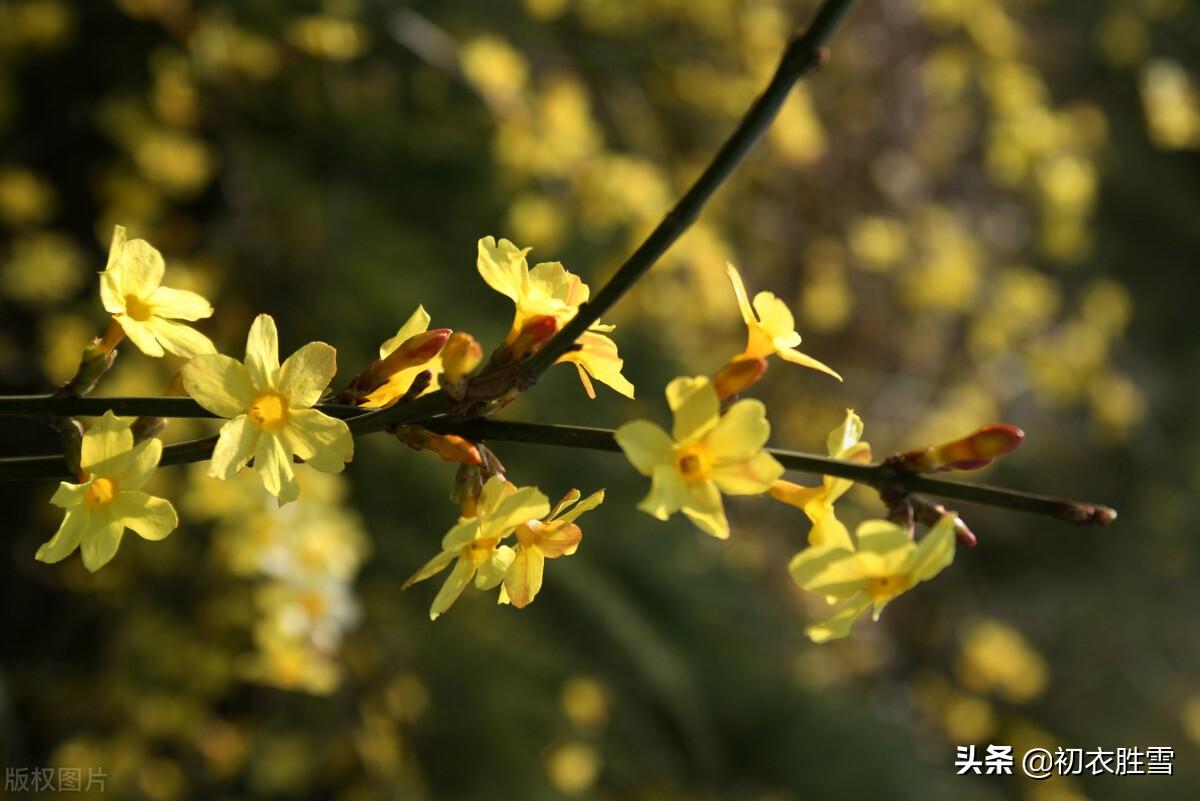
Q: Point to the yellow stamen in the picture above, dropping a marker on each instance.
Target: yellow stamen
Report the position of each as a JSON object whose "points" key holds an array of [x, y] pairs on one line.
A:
{"points": [[102, 491], [138, 309], [269, 411]]}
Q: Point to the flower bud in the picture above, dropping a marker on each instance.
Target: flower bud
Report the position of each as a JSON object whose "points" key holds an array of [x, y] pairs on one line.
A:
{"points": [[462, 354], [534, 334], [738, 376], [413, 352], [969, 453], [450, 447]]}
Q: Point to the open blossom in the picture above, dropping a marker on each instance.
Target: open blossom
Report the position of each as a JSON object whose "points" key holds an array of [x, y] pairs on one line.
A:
{"points": [[111, 500], [549, 290], [817, 502], [771, 327], [132, 292], [474, 545], [269, 410], [886, 563], [539, 540], [708, 453]]}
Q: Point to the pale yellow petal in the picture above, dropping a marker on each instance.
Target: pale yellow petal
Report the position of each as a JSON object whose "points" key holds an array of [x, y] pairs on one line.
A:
{"points": [[140, 334], [739, 291], [502, 265], [262, 352], [110, 293], [273, 463], [776, 319], [322, 441], [645, 445], [828, 570], [431, 568], [667, 492], [417, 323], [99, 542], [828, 530], [599, 358], [490, 572], [740, 433], [180, 304], [586, 505], [109, 439], [570, 498], [804, 360], [551, 281], [235, 446], [495, 489], [116, 246], [752, 476], [845, 435], [306, 373], [696, 407], [455, 583], [180, 339], [934, 552], [138, 465], [219, 383], [527, 503], [838, 625], [703, 506], [464, 532], [66, 539], [882, 537], [140, 267], [559, 539], [150, 517], [524, 577], [68, 495]]}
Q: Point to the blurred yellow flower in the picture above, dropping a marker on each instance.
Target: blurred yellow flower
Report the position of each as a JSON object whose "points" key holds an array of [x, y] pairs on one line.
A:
{"points": [[1171, 101], [132, 292], [707, 453], [886, 564], [771, 327], [110, 501], [269, 409], [539, 540], [549, 290], [843, 442], [996, 658], [24, 197], [475, 541]]}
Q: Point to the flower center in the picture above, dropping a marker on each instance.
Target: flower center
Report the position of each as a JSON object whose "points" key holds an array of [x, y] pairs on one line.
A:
{"points": [[138, 309], [692, 463], [269, 411], [102, 491], [885, 588]]}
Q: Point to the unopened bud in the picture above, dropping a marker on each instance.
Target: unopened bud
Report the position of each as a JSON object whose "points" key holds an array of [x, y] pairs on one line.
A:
{"points": [[534, 334], [738, 376], [462, 354], [969, 453], [412, 352], [450, 447]]}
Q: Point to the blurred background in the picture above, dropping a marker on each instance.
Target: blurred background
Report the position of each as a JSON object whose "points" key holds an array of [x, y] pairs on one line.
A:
{"points": [[980, 211]]}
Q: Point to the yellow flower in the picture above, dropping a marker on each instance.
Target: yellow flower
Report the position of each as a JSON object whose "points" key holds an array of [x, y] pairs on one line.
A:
{"points": [[549, 290], [111, 500], [269, 410], [772, 329], [539, 540], [709, 453], [475, 541], [405, 356], [817, 502], [886, 564], [132, 292]]}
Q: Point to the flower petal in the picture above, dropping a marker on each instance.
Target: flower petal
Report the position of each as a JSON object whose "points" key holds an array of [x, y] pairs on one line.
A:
{"points": [[180, 304], [881, 537], [752, 476], [180, 339], [696, 407], [776, 318], [140, 334], [502, 265], [66, 539], [703, 506], [667, 492], [152, 518], [524, 577], [740, 433], [273, 463], [598, 356], [559, 539], [828, 530], [934, 552], [139, 464], [68, 495], [645, 445], [322, 441], [116, 245], [828, 570], [110, 293], [262, 352], [99, 543], [845, 435], [490, 571], [586, 505], [838, 625], [219, 383], [235, 446], [804, 360], [109, 439], [306, 373], [417, 323], [431, 568], [527, 503], [140, 268], [739, 291], [456, 582]]}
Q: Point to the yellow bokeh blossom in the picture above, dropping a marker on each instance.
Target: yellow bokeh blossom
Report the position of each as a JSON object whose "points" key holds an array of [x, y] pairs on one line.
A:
{"points": [[269, 409], [549, 290], [111, 499], [708, 453], [886, 563], [817, 502], [132, 292], [772, 329], [475, 542], [539, 540]]}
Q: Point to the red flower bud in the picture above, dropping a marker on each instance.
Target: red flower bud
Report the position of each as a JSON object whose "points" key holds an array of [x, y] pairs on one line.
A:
{"points": [[738, 375]]}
